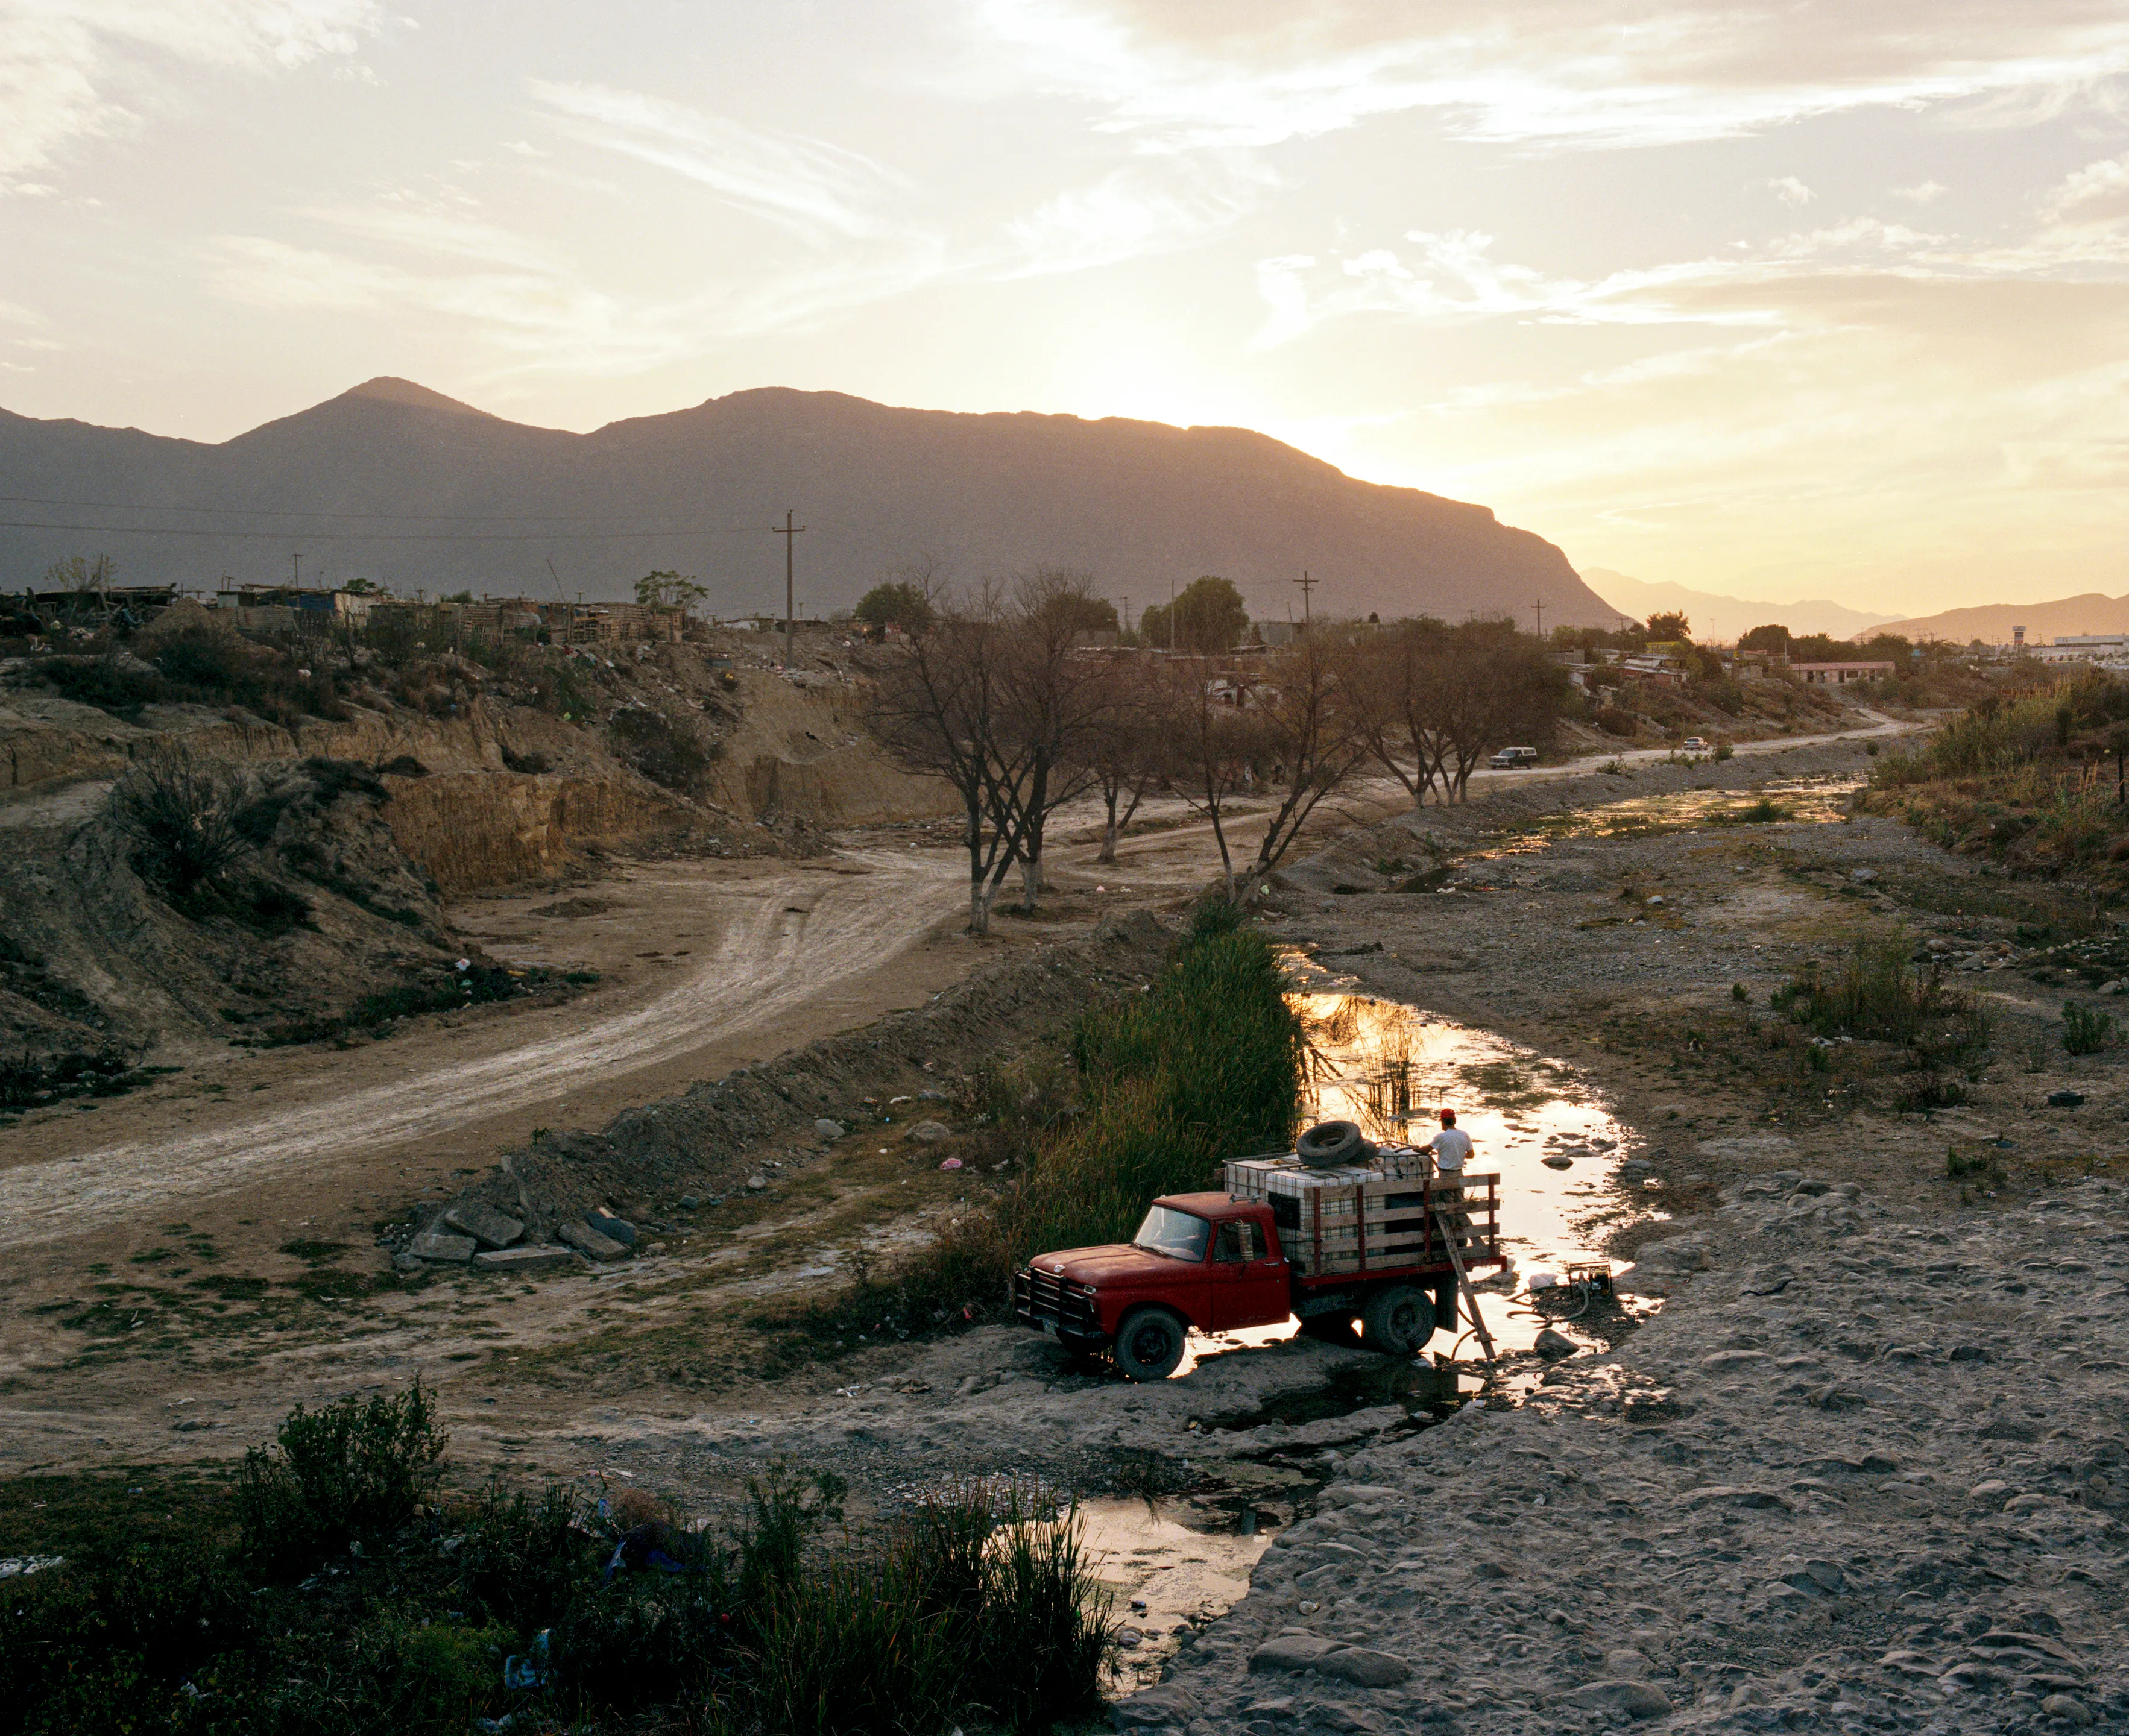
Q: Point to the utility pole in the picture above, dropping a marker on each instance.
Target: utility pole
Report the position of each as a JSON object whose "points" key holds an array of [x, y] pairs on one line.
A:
{"points": [[298, 560], [786, 531], [1541, 616], [1127, 625], [1307, 585], [1171, 612]]}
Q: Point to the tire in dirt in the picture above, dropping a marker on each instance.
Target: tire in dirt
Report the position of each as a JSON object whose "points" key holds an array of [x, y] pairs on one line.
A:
{"points": [[1148, 1344], [1398, 1320], [1329, 1144]]}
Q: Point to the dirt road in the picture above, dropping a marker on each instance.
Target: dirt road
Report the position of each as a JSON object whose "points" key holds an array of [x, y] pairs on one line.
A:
{"points": [[790, 946], [798, 950]]}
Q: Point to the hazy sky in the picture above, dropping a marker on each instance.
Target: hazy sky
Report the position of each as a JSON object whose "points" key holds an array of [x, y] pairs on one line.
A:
{"points": [[1819, 298]]}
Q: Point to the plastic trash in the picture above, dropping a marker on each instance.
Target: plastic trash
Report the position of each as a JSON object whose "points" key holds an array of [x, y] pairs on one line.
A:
{"points": [[951, 1163], [1540, 1279], [523, 1672]]}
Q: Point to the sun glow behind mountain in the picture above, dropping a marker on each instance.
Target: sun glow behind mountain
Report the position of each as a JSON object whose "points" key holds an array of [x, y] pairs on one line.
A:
{"points": [[1765, 301]]}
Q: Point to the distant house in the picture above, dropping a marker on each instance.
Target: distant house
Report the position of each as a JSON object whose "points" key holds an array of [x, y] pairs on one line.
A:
{"points": [[1840, 674], [2084, 648]]}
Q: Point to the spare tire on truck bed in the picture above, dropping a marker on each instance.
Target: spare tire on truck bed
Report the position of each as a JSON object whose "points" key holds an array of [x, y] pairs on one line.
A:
{"points": [[1329, 1144]]}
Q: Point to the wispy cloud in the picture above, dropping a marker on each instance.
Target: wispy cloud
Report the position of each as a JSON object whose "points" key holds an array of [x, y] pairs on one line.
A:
{"points": [[1250, 73], [1923, 192], [818, 191], [73, 71], [1791, 191]]}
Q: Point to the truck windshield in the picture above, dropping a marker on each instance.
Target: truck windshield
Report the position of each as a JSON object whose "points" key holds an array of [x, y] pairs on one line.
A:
{"points": [[1175, 1233]]}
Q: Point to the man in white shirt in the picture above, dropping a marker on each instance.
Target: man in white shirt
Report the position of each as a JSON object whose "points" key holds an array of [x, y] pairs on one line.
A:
{"points": [[1451, 1147], [1450, 1150]]}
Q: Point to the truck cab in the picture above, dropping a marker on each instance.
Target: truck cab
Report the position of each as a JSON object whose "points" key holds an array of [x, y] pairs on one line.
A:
{"points": [[1514, 759], [1202, 1260]]}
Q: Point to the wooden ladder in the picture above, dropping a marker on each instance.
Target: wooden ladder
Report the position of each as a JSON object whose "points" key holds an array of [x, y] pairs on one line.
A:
{"points": [[1463, 1289]]}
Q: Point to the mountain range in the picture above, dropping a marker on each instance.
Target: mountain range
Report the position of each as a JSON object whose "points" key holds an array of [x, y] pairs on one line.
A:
{"points": [[1716, 619], [392, 482], [1991, 623]]}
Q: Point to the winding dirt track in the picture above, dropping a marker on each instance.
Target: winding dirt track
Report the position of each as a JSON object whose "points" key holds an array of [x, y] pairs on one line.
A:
{"points": [[768, 960], [792, 948]]}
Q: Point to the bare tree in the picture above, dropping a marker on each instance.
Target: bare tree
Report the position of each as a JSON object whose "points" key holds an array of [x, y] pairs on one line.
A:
{"points": [[1493, 686], [1216, 743], [1313, 733], [1389, 678], [940, 708], [1060, 701], [1127, 754]]}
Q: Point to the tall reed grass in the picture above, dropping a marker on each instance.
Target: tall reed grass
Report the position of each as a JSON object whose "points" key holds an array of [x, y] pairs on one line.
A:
{"points": [[1203, 1065]]}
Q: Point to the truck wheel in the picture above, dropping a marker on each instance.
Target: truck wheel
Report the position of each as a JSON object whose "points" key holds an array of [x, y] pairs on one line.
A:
{"points": [[1148, 1344], [1397, 1321]]}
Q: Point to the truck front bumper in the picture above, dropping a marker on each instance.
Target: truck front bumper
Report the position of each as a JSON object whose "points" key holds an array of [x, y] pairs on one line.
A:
{"points": [[1050, 1305]]}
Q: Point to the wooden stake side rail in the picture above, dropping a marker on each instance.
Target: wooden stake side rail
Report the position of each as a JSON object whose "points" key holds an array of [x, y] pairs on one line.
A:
{"points": [[1358, 1222]]}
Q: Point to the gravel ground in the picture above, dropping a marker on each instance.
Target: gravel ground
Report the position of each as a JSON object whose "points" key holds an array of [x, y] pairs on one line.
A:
{"points": [[1866, 1468], [1866, 1471]]}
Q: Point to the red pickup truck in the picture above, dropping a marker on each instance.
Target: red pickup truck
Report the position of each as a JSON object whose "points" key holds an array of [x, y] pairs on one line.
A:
{"points": [[1373, 1251]]}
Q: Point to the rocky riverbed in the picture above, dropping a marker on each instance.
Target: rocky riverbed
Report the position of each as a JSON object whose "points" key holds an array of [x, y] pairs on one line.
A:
{"points": [[1866, 1468], [1866, 1471]]}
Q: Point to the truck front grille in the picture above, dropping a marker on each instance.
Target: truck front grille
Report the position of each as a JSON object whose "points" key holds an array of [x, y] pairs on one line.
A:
{"points": [[1040, 1295]]}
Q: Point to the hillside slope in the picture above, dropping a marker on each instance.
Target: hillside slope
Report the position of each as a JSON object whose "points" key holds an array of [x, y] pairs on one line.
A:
{"points": [[1992, 623], [1717, 618], [394, 482]]}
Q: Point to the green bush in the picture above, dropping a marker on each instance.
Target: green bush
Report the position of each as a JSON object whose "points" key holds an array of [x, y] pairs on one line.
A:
{"points": [[1877, 993], [103, 1649], [350, 1473], [2086, 1031]]}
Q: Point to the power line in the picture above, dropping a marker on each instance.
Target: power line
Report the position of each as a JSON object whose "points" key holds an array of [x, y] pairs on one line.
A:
{"points": [[395, 536], [473, 518]]}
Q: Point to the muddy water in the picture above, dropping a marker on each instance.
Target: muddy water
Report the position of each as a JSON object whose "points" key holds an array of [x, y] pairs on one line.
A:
{"points": [[1171, 1568], [1810, 800], [1392, 1067]]}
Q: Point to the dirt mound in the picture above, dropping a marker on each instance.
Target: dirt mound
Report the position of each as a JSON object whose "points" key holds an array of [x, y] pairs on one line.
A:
{"points": [[710, 1138], [316, 909]]}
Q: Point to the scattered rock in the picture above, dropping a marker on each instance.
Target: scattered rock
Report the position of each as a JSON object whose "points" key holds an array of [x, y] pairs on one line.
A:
{"points": [[1636, 1699], [1629, 1666], [1728, 1494], [441, 1250], [825, 1128], [613, 1229], [755, 1183], [1865, 875], [929, 1133], [1552, 1345], [485, 1224], [1153, 1708], [2067, 1707], [688, 1202], [2065, 1099], [524, 1260], [1558, 1160], [591, 1243]]}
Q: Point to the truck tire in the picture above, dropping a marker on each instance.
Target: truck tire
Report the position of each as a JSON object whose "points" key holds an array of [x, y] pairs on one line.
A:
{"points": [[1398, 1320], [1328, 1144], [1148, 1344]]}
